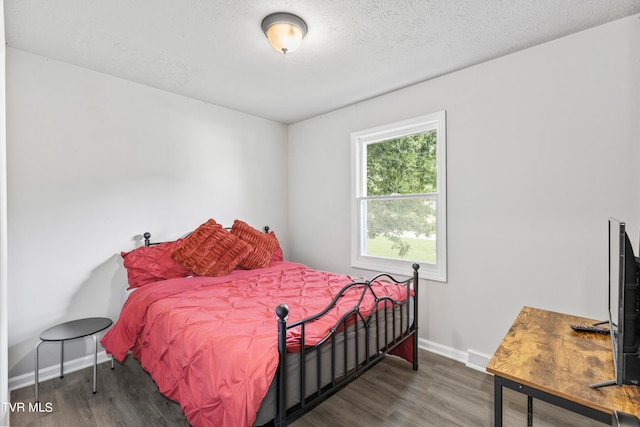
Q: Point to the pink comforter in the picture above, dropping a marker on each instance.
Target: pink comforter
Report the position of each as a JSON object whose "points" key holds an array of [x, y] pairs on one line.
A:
{"points": [[210, 343]]}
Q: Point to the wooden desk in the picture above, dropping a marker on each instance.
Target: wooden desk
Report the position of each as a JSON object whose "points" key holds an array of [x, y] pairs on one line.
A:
{"points": [[542, 357]]}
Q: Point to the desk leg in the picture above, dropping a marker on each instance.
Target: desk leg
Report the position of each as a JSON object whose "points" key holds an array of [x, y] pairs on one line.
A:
{"points": [[533, 393], [529, 411], [497, 401]]}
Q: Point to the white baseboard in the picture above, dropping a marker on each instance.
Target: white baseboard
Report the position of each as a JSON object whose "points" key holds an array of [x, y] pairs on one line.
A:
{"points": [[471, 358], [51, 372], [477, 361]]}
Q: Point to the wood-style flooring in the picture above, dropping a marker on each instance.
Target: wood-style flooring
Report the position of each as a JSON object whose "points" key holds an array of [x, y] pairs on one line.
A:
{"points": [[441, 393]]}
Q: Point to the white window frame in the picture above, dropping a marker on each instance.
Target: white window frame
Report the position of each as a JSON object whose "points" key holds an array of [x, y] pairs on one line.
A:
{"points": [[359, 141]]}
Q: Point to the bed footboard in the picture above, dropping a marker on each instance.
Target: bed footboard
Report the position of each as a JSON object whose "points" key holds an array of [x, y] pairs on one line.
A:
{"points": [[389, 325]]}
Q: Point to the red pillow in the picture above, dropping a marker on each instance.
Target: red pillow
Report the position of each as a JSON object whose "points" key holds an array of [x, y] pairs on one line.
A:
{"points": [[211, 250], [277, 253], [262, 245], [149, 264]]}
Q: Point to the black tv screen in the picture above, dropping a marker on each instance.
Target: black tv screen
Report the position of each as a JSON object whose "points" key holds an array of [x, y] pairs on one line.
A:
{"points": [[623, 307]]}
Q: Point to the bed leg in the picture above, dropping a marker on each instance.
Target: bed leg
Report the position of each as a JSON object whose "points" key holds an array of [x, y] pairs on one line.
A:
{"points": [[416, 267], [281, 416]]}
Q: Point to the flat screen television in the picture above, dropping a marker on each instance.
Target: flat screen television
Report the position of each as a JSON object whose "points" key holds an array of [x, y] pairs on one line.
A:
{"points": [[624, 306]]}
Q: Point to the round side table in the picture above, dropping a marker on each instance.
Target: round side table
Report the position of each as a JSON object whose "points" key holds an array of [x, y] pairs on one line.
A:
{"points": [[72, 330]]}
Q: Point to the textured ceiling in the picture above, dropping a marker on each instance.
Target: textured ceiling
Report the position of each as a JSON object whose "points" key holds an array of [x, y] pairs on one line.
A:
{"points": [[215, 51]]}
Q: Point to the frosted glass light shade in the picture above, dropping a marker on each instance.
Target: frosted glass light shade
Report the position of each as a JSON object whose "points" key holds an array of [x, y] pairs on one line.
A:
{"points": [[284, 31]]}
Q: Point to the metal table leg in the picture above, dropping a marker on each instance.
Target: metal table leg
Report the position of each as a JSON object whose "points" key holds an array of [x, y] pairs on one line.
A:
{"points": [[61, 358], [497, 401], [532, 393], [95, 363], [37, 368]]}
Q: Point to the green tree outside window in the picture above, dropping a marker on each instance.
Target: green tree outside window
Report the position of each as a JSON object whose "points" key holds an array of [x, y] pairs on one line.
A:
{"points": [[400, 207]]}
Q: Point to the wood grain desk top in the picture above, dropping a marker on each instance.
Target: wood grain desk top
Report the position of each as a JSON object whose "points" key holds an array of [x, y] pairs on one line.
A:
{"points": [[542, 351]]}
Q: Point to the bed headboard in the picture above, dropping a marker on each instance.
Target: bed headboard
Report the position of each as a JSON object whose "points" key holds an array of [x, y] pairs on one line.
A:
{"points": [[148, 242]]}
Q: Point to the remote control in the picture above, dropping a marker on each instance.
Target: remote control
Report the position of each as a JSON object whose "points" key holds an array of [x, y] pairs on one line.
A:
{"points": [[589, 328]]}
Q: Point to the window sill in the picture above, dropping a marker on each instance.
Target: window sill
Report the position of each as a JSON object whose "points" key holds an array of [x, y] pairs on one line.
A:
{"points": [[400, 267]]}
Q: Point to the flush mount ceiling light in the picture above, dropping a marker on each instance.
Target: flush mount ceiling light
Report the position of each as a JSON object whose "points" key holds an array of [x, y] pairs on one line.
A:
{"points": [[285, 31]]}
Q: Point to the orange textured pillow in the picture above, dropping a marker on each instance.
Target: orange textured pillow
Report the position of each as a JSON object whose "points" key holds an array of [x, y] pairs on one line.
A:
{"points": [[211, 250], [262, 245]]}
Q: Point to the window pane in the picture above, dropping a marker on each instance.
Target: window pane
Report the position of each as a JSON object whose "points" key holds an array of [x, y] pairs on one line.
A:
{"points": [[401, 229], [405, 165]]}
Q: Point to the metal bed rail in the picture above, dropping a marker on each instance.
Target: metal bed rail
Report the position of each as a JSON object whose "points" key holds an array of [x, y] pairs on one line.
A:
{"points": [[350, 322]]}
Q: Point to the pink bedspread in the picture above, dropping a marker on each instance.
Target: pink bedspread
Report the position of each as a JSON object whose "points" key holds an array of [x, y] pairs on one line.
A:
{"points": [[210, 343]]}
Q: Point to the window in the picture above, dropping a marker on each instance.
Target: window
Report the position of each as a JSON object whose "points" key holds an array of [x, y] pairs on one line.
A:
{"points": [[399, 197]]}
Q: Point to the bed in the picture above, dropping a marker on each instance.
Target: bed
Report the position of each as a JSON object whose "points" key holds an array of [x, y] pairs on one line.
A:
{"points": [[261, 345]]}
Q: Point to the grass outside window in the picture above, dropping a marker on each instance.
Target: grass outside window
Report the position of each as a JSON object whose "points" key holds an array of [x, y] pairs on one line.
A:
{"points": [[422, 250]]}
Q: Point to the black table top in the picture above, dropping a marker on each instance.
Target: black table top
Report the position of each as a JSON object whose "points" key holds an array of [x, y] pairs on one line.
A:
{"points": [[76, 329]]}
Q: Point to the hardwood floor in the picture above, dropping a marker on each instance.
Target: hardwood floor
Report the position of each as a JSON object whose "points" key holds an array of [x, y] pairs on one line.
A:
{"points": [[442, 393]]}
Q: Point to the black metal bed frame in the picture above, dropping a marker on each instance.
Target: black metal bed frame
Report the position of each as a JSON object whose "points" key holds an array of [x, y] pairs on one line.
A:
{"points": [[350, 321]]}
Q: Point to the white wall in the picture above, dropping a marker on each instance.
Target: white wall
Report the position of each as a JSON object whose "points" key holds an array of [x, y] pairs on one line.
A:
{"points": [[95, 160], [543, 146]]}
